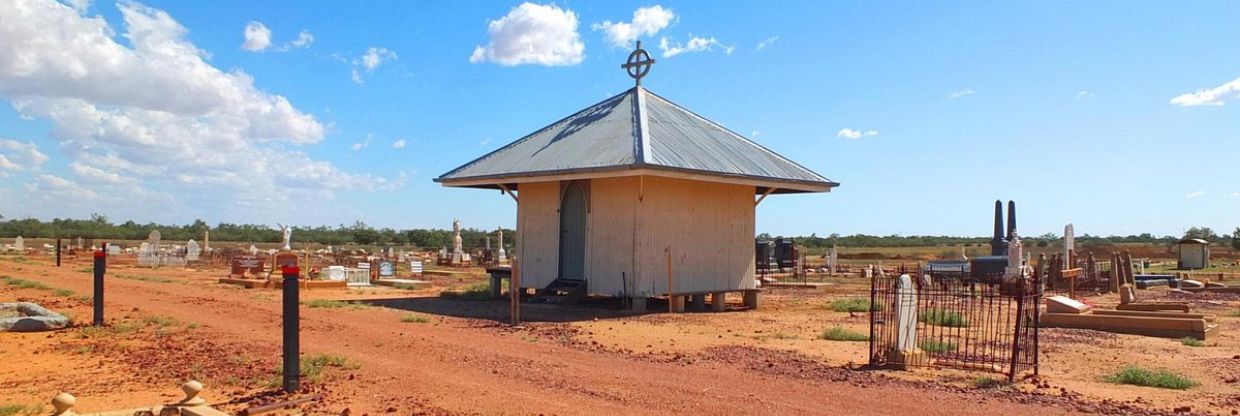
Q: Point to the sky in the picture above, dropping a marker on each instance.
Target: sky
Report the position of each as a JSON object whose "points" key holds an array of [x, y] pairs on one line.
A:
{"points": [[1120, 117]]}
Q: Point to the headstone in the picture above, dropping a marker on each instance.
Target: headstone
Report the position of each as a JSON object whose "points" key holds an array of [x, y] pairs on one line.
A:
{"points": [[19, 244], [284, 259], [415, 267], [147, 255], [833, 258], [503, 255], [906, 351], [1014, 258], [1069, 246], [153, 238], [458, 252], [1064, 304], [81, 244], [192, 251], [335, 272], [114, 249], [253, 250], [488, 246], [206, 241], [387, 269], [247, 265]]}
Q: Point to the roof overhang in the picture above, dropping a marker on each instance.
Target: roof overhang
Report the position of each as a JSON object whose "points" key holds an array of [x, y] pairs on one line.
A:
{"points": [[760, 184]]}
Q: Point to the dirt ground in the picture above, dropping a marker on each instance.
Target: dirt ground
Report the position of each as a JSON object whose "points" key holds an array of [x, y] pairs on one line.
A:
{"points": [[412, 352]]}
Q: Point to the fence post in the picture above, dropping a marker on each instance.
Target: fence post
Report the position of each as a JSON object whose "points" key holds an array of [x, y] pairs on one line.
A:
{"points": [[57, 252], [1020, 314], [873, 293], [292, 347], [101, 265]]}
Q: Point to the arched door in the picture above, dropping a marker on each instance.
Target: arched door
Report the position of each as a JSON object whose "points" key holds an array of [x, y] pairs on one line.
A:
{"points": [[573, 232]]}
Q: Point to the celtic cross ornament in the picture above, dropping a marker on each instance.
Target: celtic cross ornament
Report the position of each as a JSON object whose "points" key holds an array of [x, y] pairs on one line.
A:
{"points": [[638, 64]]}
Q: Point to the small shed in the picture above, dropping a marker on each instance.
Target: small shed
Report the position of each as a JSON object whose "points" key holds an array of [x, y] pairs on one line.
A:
{"points": [[1194, 253], [637, 196]]}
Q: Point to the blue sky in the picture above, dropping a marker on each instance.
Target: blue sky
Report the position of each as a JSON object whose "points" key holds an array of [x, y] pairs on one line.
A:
{"points": [[1120, 117]]}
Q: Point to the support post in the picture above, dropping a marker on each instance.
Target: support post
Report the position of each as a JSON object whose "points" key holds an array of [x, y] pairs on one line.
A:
{"points": [[718, 301], [292, 338], [57, 252], [671, 299], [101, 265], [514, 293]]}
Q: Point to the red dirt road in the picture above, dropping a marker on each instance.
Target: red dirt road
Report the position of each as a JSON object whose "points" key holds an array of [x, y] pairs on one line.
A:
{"points": [[464, 365]]}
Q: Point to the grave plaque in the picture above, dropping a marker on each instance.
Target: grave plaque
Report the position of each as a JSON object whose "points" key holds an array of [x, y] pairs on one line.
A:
{"points": [[285, 259], [252, 265], [387, 269]]}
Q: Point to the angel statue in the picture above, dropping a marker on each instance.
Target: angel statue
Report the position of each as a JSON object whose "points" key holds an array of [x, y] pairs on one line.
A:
{"points": [[287, 232]]}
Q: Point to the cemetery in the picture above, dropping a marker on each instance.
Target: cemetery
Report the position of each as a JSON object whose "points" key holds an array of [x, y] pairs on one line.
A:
{"points": [[635, 282]]}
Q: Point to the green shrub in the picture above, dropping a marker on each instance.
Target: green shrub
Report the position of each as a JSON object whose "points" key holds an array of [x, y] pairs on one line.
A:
{"points": [[314, 366], [414, 319], [24, 284], [837, 333], [474, 292], [988, 382], [942, 317], [1162, 379], [63, 292], [853, 305], [333, 304], [11, 409], [160, 321], [1192, 342], [938, 347]]}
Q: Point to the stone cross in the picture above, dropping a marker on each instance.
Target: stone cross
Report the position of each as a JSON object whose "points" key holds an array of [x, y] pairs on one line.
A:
{"points": [[906, 314], [1069, 245]]}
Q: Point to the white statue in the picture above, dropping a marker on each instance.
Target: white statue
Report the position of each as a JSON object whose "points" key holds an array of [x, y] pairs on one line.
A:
{"points": [[287, 232], [456, 236]]}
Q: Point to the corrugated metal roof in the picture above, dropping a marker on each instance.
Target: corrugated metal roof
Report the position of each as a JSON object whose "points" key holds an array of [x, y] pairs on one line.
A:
{"points": [[635, 129]]}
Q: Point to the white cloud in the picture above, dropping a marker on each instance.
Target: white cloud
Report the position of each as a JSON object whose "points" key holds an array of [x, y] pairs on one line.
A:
{"points": [[766, 43], [848, 133], [303, 40], [370, 60], [1212, 96], [18, 156], [961, 93], [695, 44], [755, 133], [257, 37], [152, 116], [79, 5], [363, 144], [55, 188], [647, 21], [1083, 94], [484, 142], [1235, 195], [1194, 194], [532, 34], [399, 144]]}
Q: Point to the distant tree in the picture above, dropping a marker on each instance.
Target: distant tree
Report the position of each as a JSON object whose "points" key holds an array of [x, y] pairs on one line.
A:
{"points": [[1204, 233], [1235, 239]]}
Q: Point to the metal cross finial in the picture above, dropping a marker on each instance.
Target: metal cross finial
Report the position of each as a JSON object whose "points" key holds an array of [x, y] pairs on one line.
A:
{"points": [[638, 64]]}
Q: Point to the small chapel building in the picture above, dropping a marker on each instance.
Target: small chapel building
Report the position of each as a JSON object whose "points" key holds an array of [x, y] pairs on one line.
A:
{"points": [[639, 197]]}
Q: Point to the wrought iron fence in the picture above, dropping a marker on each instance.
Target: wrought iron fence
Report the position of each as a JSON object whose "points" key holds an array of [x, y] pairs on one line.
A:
{"points": [[955, 321]]}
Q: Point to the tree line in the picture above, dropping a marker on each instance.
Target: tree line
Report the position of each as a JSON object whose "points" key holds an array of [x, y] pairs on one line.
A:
{"points": [[863, 240], [98, 227]]}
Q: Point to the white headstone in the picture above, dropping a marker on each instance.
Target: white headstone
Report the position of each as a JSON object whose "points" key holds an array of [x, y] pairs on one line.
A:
{"points": [[906, 314], [19, 244], [114, 249], [503, 255], [253, 250], [1064, 304], [834, 257], [192, 251], [147, 256], [153, 238], [1015, 255], [1069, 244], [80, 243]]}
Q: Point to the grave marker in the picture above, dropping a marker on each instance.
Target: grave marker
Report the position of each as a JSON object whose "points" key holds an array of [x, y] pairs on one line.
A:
{"points": [[247, 265], [906, 352], [192, 251], [387, 269], [19, 244]]}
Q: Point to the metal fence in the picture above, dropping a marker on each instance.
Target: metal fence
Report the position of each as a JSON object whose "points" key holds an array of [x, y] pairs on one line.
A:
{"points": [[951, 321]]}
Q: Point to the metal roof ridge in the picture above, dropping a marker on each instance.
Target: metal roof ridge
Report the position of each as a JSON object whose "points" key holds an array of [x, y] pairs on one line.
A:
{"points": [[642, 121]]}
